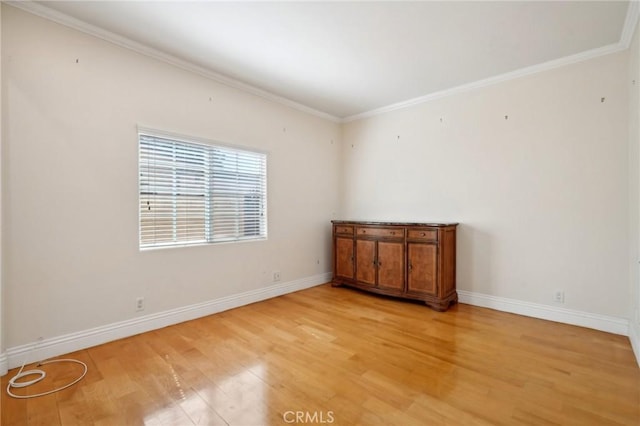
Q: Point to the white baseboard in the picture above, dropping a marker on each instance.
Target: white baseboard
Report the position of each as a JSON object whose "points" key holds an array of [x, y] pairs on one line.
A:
{"points": [[4, 363], [13, 357], [47, 348], [634, 337], [568, 316]]}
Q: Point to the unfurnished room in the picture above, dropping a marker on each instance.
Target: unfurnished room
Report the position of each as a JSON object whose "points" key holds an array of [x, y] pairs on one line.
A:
{"points": [[335, 212]]}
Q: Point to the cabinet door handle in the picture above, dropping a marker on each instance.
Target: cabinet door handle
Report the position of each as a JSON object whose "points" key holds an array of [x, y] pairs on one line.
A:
{"points": [[410, 267]]}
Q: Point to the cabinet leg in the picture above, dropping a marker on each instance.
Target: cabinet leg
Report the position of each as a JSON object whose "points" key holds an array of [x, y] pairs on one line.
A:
{"points": [[440, 307], [443, 305]]}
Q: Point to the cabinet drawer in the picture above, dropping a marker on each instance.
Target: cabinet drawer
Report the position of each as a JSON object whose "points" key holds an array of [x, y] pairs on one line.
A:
{"points": [[381, 232], [341, 229], [423, 234]]}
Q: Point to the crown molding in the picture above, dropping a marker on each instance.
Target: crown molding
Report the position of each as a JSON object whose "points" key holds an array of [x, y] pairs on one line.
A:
{"points": [[68, 21], [630, 23], [556, 63]]}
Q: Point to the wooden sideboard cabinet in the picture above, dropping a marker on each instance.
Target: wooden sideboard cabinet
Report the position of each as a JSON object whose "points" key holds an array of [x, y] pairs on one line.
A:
{"points": [[408, 260]]}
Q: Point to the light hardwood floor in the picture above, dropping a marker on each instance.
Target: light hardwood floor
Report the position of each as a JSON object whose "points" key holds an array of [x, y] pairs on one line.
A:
{"points": [[343, 357]]}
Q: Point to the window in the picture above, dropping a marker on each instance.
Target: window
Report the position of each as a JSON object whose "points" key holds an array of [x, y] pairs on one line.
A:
{"points": [[195, 193]]}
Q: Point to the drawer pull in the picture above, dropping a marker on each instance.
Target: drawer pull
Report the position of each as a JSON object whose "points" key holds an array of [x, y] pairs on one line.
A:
{"points": [[422, 234]]}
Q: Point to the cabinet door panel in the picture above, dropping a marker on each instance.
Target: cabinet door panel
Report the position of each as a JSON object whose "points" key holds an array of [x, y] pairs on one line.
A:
{"points": [[344, 258], [365, 261], [423, 268], [391, 265]]}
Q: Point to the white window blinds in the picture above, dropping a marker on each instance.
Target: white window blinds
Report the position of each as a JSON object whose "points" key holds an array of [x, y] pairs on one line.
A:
{"points": [[193, 193]]}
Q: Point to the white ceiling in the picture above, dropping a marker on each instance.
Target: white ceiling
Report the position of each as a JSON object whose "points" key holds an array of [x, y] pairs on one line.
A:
{"points": [[345, 59]]}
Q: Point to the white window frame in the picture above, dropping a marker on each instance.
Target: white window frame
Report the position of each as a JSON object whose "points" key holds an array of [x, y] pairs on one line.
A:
{"points": [[194, 191]]}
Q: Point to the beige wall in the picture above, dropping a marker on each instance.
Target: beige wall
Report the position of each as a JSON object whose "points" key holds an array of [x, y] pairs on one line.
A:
{"points": [[70, 212], [542, 196], [633, 82]]}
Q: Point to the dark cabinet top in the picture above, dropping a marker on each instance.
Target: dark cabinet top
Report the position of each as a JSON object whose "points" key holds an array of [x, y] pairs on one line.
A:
{"points": [[366, 222]]}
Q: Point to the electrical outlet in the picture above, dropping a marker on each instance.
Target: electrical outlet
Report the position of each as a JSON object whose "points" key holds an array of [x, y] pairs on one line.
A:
{"points": [[558, 296], [140, 304], [276, 276]]}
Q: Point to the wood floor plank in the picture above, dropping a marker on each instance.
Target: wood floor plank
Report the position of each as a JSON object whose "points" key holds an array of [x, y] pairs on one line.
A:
{"points": [[356, 357]]}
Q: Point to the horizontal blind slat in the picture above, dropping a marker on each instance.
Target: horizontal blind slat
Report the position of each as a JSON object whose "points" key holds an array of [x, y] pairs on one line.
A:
{"points": [[193, 193]]}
